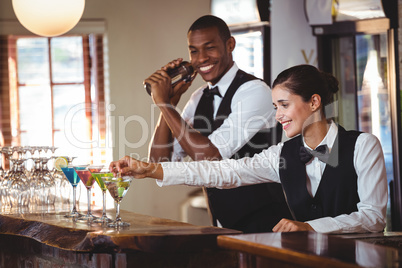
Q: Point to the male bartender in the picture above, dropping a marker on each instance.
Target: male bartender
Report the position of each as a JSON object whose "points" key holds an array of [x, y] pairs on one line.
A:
{"points": [[227, 118]]}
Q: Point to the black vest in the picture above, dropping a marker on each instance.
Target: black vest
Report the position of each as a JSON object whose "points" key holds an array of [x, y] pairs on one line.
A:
{"points": [[235, 208], [337, 191]]}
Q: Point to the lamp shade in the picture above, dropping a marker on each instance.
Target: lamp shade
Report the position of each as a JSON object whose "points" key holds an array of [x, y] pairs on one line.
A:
{"points": [[48, 17]]}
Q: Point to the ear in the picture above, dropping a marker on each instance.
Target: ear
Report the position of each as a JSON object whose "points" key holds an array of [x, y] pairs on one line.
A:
{"points": [[230, 44], [315, 102]]}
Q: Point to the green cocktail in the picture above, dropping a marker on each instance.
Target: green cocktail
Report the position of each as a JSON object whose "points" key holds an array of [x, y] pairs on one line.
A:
{"points": [[99, 180]]}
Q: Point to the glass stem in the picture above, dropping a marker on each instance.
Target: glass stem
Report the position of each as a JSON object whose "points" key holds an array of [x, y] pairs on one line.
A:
{"points": [[104, 203], [89, 200], [74, 199], [118, 219]]}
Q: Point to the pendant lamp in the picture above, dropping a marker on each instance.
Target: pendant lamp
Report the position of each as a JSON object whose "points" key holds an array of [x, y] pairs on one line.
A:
{"points": [[48, 17]]}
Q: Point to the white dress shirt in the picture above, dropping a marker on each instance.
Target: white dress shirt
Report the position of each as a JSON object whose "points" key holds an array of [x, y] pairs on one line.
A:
{"points": [[264, 167], [252, 110]]}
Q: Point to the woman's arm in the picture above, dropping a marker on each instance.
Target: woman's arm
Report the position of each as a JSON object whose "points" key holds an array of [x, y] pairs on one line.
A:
{"points": [[227, 173]]}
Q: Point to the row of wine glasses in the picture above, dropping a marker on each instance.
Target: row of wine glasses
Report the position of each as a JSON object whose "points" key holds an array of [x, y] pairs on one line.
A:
{"points": [[24, 187], [88, 174], [36, 187]]}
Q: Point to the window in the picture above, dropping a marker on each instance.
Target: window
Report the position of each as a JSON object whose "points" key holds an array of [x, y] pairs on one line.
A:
{"points": [[57, 95], [361, 65]]}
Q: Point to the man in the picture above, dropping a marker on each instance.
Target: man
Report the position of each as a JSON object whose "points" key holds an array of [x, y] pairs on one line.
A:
{"points": [[226, 119]]}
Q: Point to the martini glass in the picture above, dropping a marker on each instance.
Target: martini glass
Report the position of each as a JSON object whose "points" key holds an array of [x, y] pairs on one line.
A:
{"points": [[73, 178], [63, 185], [100, 181], [87, 179], [118, 187]]}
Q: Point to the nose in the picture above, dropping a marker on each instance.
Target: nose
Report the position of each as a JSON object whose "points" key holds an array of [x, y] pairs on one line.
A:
{"points": [[203, 56], [278, 116]]}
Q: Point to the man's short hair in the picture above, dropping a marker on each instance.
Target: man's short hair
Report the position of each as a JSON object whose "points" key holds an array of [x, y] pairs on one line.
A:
{"points": [[209, 21]]}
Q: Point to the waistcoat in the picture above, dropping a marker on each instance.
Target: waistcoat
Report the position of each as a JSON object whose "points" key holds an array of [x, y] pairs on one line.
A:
{"points": [[337, 191]]}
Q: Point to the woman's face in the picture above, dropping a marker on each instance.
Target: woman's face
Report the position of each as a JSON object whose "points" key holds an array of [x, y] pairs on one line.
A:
{"points": [[291, 111]]}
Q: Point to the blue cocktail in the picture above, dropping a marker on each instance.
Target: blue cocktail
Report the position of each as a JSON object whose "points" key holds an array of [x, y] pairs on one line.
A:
{"points": [[73, 178]]}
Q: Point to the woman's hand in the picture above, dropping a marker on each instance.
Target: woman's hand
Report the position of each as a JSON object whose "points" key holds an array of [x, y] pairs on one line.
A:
{"points": [[138, 169], [286, 225]]}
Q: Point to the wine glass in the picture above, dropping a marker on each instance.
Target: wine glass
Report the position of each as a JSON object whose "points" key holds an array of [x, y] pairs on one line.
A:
{"points": [[49, 183], [3, 181], [37, 185], [1, 163], [118, 187], [87, 179], [71, 175], [7, 178], [99, 180], [19, 187]]}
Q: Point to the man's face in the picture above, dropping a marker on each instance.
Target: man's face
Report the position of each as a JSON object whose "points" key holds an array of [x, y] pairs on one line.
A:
{"points": [[209, 55]]}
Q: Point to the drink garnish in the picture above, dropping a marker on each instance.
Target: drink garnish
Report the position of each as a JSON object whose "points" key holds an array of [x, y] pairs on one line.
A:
{"points": [[60, 162]]}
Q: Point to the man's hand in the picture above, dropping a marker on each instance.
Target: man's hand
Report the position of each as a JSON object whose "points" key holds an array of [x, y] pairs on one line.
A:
{"points": [[139, 170], [161, 88], [286, 225], [162, 91]]}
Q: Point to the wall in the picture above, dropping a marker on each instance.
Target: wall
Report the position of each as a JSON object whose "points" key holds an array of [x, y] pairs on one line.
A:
{"points": [[292, 40]]}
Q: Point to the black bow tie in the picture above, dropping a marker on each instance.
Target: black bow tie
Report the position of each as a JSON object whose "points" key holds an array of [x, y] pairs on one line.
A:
{"points": [[211, 92], [321, 152]]}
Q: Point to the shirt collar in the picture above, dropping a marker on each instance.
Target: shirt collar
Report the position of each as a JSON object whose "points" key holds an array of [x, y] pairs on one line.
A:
{"points": [[224, 83], [329, 139]]}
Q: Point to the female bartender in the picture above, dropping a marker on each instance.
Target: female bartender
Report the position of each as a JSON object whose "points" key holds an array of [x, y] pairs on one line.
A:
{"points": [[334, 180]]}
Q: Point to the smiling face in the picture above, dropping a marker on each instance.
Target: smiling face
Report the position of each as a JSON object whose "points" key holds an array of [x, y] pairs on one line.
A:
{"points": [[291, 111], [209, 55]]}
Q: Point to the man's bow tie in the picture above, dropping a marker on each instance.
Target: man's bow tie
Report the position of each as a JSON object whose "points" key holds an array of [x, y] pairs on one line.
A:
{"points": [[211, 92], [321, 152]]}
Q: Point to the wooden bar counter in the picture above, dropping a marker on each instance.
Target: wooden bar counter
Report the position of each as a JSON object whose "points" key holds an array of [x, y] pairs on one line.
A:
{"points": [[311, 249], [51, 240]]}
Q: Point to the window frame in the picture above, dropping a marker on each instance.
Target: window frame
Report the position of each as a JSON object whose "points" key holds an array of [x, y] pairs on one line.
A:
{"points": [[93, 75]]}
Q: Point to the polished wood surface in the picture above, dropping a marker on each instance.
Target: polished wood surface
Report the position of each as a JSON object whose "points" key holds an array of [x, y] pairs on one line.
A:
{"points": [[309, 249], [48, 239], [146, 233]]}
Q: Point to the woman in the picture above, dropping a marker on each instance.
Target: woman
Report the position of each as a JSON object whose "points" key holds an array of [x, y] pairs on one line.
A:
{"points": [[340, 189]]}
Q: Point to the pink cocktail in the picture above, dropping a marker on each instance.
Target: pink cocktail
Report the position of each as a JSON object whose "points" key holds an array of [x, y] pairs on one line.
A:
{"points": [[88, 180], [86, 176]]}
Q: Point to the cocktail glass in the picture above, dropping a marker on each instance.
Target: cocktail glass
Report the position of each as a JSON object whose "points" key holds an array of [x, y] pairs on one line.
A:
{"points": [[88, 180], [71, 175], [99, 180], [118, 187], [63, 188]]}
